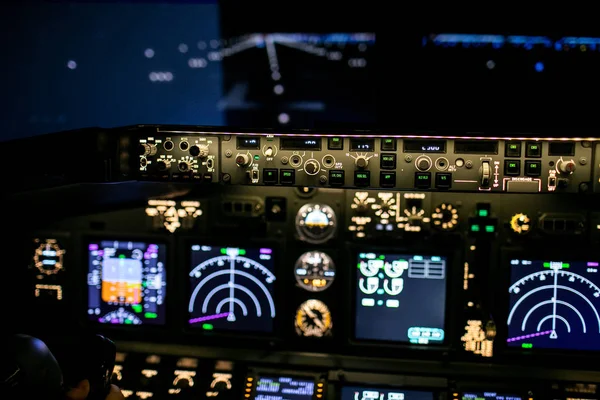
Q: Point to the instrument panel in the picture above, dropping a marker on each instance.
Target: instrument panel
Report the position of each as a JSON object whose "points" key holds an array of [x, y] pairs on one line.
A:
{"points": [[309, 289]]}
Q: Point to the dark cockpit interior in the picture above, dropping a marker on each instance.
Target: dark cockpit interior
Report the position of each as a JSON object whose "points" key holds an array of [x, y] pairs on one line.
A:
{"points": [[234, 201]]}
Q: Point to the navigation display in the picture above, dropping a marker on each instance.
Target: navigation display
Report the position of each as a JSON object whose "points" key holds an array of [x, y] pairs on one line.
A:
{"points": [[231, 288], [284, 388], [360, 393], [489, 396], [554, 305], [126, 282], [400, 298]]}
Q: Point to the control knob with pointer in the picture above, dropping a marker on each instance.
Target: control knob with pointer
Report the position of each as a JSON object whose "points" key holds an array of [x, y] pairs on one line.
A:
{"points": [[361, 162], [242, 160], [566, 167], [311, 167], [146, 149]]}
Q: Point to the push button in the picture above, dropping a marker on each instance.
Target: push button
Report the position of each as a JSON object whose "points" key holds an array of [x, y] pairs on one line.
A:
{"points": [[533, 168], [336, 178], [362, 178], [388, 161], [443, 180], [422, 180], [534, 149], [512, 167], [270, 176], [287, 176], [388, 144], [513, 149], [335, 143], [387, 179]]}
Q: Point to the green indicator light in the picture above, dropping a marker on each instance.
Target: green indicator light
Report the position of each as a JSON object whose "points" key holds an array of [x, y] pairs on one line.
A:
{"points": [[242, 252], [423, 177], [207, 327], [490, 228], [287, 173], [121, 256], [474, 228], [533, 165], [546, 265], [566, 265], [388, 140], [382, 257], [358, 265], [387, 176], [137, 308], [336, 175], [361, 176], [128, 322], [512, 165], [257, 157], [336, 139], [483, 213], [444, 177], [223, 251], [150, 315], [527, 345], [513, 146]]}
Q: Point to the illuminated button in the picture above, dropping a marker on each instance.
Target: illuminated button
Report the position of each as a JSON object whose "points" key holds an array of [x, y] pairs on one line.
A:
{"points": [[388, 144], [513, 149], [362, 178], [335, 143], [270, 176], [336, 178], [387, 179], [534, 149], [250, 379], [443, 180], [287, 176], [422, 180], [388, 161], [483, 210], [533, 168], [512, 167]]}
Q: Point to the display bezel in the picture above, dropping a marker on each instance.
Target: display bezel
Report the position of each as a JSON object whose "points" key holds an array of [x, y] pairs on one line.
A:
{"points": [[449, 320], [170, 299], [436, 393], [273, 373], [184, 288], [501, 278]]}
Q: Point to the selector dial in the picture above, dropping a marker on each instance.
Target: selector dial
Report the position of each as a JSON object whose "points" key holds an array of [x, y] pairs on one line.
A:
{"points": [[312, 167], [361, 162], [199, 151], [423, 163], [147, 149], [163, 165], [566, 167], [242, 160], [520, 224], [445, 217]]}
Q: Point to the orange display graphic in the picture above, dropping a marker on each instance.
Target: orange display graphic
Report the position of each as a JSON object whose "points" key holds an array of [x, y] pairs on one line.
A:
{"points": [[122, 292]]}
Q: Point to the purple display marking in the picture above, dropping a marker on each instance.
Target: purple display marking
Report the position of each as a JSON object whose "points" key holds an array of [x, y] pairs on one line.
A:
{"points": [[147, 256], [514, 339], [208, 318], [93, 246], [592, 264], [266, 251]]}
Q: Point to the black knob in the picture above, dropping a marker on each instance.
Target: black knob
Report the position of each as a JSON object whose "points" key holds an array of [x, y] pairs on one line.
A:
{"points": [[194, 151], [311, 167], [161, 165], [361, 162], [143, 149], [423, 164], [183, 383]]}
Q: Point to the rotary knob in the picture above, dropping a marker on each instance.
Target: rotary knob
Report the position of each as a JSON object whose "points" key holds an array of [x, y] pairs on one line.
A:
{"points": [[361, 162], [163, 165], [199, 151], [184, 166], [311, 167], [520, 224], [146, 149], [566, 167], [242, 160], [423, 163]]}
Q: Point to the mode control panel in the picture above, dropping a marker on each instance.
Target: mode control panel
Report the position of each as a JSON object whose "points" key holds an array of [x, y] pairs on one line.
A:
{"points": [[514, 165]]}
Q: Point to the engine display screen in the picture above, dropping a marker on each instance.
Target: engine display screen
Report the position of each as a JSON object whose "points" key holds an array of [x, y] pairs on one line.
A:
{"points": [[489, 396], [361, 393], [231, 288], [284, 388], [400, 298], [554, 305], [126, 282]]}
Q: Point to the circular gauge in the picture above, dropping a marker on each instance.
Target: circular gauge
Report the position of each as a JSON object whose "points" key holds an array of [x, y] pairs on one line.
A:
{"points": [[48, 257], [316, 223], [315, 271], [445, 217], [120, 317], [313, 318]]}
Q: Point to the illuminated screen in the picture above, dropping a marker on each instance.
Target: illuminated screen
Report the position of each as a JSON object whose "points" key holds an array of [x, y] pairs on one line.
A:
{"points": [[232, 288], [284, 388], [554, 305], [126, 282], [361, 393], [400, 298], [489, 396]]}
